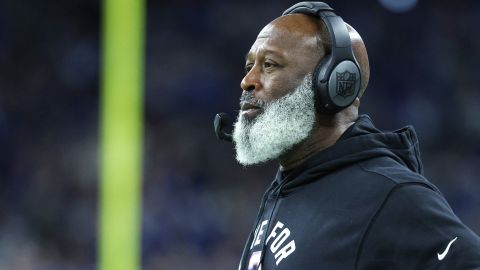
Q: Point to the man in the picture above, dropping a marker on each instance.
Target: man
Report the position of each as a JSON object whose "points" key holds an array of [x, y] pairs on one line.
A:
{"points": [[347, 195]]}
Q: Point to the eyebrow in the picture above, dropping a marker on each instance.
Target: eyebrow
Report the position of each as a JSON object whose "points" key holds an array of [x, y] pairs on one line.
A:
{"points": [[265, 52]]}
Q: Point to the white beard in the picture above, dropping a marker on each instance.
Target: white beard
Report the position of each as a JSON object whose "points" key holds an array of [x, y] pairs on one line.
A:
{"points": [[284, 123]]}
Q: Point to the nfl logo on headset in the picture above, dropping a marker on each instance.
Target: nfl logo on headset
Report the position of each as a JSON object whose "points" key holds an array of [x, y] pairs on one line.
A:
{"points": [[346, 83]]}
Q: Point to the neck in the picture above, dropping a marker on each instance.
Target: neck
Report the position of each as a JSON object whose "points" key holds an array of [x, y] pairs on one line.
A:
{"points": [[324, 134]]}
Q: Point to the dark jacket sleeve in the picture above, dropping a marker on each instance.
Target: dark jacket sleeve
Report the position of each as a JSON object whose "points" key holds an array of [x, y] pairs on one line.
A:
{"points": [[415, 228]]}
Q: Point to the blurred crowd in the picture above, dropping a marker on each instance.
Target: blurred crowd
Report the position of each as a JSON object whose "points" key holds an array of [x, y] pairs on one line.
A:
{"points": [[198, 203]]}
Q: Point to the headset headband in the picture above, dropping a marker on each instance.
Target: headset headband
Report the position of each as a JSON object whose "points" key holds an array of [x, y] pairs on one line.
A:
{"points": [[337, 30]]}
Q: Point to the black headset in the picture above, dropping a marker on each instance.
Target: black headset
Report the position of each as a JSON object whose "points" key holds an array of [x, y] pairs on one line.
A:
{"points": [[336, 78]]}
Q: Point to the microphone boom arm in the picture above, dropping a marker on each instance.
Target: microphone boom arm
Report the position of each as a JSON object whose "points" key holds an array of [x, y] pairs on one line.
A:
{"points": [[219, 123]]}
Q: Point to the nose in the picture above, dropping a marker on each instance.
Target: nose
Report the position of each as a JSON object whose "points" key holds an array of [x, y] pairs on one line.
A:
{"points": [[251, 81]]}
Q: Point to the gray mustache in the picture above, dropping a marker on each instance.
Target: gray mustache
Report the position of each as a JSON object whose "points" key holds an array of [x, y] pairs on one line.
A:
{"points": [[247, 97]]}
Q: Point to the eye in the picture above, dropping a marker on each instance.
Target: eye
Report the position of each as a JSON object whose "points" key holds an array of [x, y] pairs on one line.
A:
{"points": [[269, 64]]}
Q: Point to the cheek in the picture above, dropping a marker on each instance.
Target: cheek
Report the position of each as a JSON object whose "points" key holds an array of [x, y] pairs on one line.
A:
{"points": [[279, 87]]}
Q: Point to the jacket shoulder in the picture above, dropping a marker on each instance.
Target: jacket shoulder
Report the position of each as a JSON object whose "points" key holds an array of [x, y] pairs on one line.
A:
{"points": [[394, 171], [414, 226]]}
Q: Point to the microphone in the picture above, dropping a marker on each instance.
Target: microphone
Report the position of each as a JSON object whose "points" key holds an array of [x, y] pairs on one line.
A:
{"points": [[221, 120]]}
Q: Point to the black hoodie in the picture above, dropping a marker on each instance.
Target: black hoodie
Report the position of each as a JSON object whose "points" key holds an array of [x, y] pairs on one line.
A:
{"points": [[362, 203]]}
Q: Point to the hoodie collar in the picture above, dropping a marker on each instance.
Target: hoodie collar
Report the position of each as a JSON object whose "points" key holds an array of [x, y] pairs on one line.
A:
{"points": [[361, 141]]}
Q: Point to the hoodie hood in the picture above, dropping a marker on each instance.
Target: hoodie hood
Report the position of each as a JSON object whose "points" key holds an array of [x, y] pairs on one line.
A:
{"points": [[359, 142]]}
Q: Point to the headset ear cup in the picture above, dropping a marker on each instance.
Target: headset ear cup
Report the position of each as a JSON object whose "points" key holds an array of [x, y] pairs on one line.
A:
{"points": [[343, 85]]}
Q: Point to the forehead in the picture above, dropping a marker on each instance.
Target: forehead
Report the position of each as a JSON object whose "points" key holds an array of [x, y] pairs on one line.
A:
{"points": [[284, 40]]}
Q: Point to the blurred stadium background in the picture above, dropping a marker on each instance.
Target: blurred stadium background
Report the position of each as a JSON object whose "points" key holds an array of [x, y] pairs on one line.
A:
{"points": [[198, 204]]}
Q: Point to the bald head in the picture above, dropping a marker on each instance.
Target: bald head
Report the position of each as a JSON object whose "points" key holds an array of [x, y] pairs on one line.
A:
{"points": [[289, 48]]}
